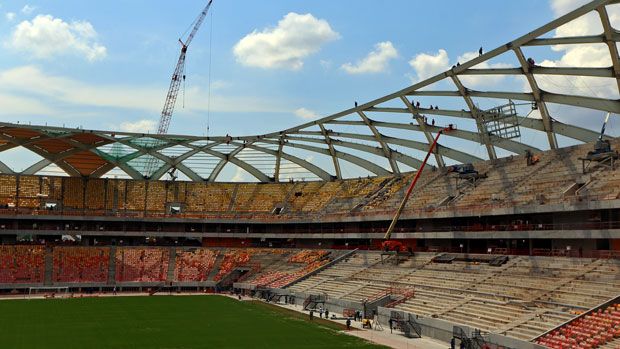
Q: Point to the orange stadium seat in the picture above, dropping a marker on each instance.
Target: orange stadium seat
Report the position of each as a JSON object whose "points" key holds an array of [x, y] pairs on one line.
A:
{"points": [[22, 264]]}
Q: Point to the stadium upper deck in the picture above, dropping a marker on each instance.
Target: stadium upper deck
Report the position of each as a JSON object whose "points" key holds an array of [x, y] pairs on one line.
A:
{"points": [[554, 182]]}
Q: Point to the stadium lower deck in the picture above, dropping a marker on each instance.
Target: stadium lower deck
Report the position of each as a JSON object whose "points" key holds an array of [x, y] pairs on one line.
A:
{"points": [[518, 297]]}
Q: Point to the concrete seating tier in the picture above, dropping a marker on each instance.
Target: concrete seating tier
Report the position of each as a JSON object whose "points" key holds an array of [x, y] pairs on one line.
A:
{"points": [[308, 283], [537, 324], [428, 302], [368, 292], [484, 314], [22, 264], [523, 298], [81, 264], [335, 288]]}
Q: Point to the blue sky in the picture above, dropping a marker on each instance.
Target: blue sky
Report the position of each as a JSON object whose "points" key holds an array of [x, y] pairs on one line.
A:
{"points": [[107, 64], [141, 50]]}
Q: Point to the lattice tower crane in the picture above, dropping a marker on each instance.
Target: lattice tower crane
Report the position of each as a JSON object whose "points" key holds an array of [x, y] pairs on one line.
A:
{"points": [[175, 84]]}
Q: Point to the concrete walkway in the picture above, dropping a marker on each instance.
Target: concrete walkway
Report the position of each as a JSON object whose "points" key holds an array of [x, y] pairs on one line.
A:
{"points": [[383, 337]]}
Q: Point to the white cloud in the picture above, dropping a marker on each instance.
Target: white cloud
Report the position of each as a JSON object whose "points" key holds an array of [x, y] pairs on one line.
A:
{"points": [[18, 105], [584, 55], [375, 62], [426, 65], [46, 37], [287, 45], [27, 9], [140, 126], [481, 80], [306, 113], [33, 82], [10, 16]]}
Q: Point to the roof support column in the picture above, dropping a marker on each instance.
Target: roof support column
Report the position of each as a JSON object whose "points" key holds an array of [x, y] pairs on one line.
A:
{"points": [[542, 106], [611, 43], [276, 174], [427, 134], [328, 140], [484, 137]]}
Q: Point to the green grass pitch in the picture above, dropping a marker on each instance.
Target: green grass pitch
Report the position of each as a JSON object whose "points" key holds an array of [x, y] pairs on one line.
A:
{"points": [[170, 322]]}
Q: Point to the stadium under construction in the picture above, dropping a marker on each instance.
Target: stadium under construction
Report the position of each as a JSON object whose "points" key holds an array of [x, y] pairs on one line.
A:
{"points": [[516, 247]]}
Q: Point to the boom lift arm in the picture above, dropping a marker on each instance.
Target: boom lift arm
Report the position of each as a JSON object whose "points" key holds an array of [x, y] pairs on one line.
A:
{"points": [[388, 233]]}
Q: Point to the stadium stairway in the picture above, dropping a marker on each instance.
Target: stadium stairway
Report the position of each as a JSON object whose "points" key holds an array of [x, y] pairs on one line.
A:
{"points": [[49, 266], [171, 263], [216, 266], [318, 270], [112, 266]]}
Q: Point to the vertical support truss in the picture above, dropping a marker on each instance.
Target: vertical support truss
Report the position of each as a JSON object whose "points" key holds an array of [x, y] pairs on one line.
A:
{"points": [[485, 138], [276, 173], [332, 152], [536, 92], [609, 32], [386, 149], [427, 134]]}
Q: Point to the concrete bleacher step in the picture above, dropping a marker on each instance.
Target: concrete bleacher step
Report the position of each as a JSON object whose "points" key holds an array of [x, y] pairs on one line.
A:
{"points": [[112, 266], [49, 266], [171, 264], [216, 266]]}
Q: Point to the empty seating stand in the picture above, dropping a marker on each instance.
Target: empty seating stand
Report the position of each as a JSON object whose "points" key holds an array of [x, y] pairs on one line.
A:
{"points": [[22, 264], [141, 264], [522, 298], [556, 179], [80, 264], [194, 265], [599, 329]]}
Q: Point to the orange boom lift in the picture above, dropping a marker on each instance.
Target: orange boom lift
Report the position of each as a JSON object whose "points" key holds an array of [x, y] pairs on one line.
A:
{"points": [[394, 245]]}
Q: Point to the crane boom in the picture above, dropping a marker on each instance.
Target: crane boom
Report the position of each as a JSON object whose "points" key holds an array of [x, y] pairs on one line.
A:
{"points": [[600, 137], [175, 84], [178, 75]]}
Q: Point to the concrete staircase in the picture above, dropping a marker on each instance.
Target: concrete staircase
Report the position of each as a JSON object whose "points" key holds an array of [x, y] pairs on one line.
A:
{"points": [[171, 264], [112, 266], [216, 266], [49, 267]]}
